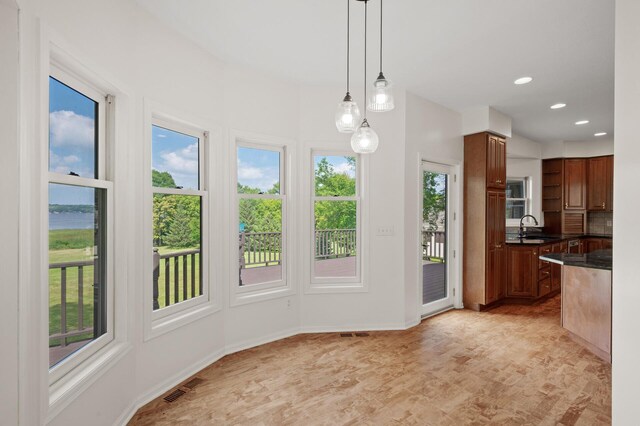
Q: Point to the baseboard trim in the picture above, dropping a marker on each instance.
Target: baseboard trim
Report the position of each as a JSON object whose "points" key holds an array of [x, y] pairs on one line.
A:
{"points": [[252, 343], [351, 328], [167, 384]]}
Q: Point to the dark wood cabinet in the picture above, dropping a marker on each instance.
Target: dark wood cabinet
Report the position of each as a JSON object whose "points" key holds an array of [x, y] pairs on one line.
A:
{"points": [[593, 244], [522, 271], [496, 246], [528, 276], [496, 162], [484, 260], [600, 183], [575, 179], [564, 195]]}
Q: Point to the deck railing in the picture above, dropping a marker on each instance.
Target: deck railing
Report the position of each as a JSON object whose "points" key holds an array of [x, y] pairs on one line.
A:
{"points": [[185, 280], [260, 248], [82, 326], [433, 245], [334, 243]]}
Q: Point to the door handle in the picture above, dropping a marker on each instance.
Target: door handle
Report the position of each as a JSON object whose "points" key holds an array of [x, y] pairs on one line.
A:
{"points": [[603, 205]]}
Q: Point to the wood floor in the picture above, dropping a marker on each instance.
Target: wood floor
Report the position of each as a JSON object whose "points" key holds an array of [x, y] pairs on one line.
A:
{"points": [[512, 365]]}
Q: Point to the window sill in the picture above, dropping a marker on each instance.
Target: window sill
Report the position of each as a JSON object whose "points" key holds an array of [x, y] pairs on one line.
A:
{"points": [[331, 288], [259, 295], [174, 321]]}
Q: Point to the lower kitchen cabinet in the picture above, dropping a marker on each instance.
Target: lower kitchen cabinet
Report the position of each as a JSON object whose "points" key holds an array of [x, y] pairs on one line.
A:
{"points": [[528, 277], [522, 271]]}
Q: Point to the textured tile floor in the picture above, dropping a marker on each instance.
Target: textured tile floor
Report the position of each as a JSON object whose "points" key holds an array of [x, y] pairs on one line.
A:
{"points": [[513, 365]]}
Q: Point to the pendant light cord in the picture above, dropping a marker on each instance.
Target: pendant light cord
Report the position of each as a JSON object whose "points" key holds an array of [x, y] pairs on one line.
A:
{"points": [[380, 36], [365, 58], [348, 38]]}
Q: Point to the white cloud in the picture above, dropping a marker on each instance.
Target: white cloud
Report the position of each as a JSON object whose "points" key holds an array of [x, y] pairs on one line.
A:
{"points": [[246, 171], [345, 169], [160, 135], [263, 178], [70, 159], [63, 165], [183, 161], [70, 129]]}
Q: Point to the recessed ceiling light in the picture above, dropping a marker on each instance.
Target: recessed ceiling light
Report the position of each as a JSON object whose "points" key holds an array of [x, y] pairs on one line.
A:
{"points": [[581, 122], [558, 106], [523, 80], [600, 134]]}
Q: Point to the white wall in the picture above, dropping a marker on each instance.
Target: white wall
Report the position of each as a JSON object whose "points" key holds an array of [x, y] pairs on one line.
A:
{"points": [[626, 292], [433, 133], [9, 211], [381, 305], [568, 149]]}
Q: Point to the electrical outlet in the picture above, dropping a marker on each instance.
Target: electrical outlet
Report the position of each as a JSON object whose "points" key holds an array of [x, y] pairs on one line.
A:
{"points": [[288, 303], [385, 231]]}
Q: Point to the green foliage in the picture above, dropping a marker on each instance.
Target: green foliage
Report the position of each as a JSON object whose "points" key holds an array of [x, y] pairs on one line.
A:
{"points": [[176, 220], [328, 183], [162, 179], [70, 239], [434, 199], [180, 234]]}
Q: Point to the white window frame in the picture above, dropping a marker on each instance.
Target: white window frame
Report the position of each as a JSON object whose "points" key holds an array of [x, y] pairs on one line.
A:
{"points": [[527, 183], [337, 281], [103, 181], [164, 320], [240, 295]]}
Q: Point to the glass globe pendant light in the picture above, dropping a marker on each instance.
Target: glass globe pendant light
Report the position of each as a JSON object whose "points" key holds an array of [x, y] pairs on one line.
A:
{"points": [[347, 114], [381, 99], [364, 140]]}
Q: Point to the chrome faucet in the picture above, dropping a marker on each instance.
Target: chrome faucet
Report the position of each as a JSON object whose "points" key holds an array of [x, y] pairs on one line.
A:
{"points": [[521, 233]]}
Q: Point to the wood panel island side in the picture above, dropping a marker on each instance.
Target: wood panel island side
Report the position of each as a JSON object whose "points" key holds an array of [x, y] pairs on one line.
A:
{"points": [[586, 298]]}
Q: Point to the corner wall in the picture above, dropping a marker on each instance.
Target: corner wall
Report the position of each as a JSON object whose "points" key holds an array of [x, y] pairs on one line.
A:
{"points": [[626, 291], [433, 133], [9, 211]]}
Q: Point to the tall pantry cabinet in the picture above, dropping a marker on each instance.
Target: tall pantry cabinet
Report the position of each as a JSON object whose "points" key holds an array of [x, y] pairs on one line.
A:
{"points": [[485, 255]]}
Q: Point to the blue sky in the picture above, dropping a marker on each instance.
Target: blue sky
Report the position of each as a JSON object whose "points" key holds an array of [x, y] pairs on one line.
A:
{"points": [[258, 168], [339, 163], [71, 141], [177, 154]]}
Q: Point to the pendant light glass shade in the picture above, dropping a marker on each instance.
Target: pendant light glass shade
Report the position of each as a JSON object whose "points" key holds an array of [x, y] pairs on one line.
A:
{"points": [[364, 140], [381, 98], [347, 115]]}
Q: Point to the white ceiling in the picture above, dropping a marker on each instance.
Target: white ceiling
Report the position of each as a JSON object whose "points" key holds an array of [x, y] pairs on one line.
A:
{"points": [[459, 53]]}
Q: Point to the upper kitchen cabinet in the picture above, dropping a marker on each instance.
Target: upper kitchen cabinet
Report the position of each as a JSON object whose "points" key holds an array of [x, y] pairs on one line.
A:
{"points": [[600, 184], [575, 184], [496, 161]]}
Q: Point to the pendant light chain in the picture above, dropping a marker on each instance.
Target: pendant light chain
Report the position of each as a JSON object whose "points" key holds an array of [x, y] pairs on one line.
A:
{"points": [[380, 36], [365, 58], [348, 39]]}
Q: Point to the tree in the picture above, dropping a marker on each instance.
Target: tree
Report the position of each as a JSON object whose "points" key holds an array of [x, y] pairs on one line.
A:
{"points": [[434, 189], [180, 235], [162, 179]]}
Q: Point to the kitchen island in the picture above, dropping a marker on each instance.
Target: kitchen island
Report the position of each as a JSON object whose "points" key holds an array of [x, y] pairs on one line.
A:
{"points": [[586, 298]]}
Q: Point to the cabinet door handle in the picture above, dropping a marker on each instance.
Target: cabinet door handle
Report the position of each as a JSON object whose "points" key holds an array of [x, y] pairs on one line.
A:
{"points": [[603, 205], [566, 205], [499, 181]]}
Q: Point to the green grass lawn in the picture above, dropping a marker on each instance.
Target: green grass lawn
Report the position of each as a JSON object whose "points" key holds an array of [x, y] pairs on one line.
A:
{"points": [[75, 245]]}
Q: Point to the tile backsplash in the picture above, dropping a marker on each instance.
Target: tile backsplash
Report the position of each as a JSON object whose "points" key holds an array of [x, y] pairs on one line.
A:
{"points": [[600, 223]]}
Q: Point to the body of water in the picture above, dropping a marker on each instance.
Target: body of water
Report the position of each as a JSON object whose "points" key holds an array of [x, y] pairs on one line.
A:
{"points": [[71, 220]]}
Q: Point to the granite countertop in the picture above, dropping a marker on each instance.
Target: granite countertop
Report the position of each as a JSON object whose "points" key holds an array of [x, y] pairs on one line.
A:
{"points": [[599, 259], [535, 239]]}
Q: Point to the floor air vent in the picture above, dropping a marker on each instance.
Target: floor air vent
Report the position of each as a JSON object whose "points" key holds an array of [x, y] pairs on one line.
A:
{"points": [[174, 395], [346, 334], [193, 383], [361, 334]]}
